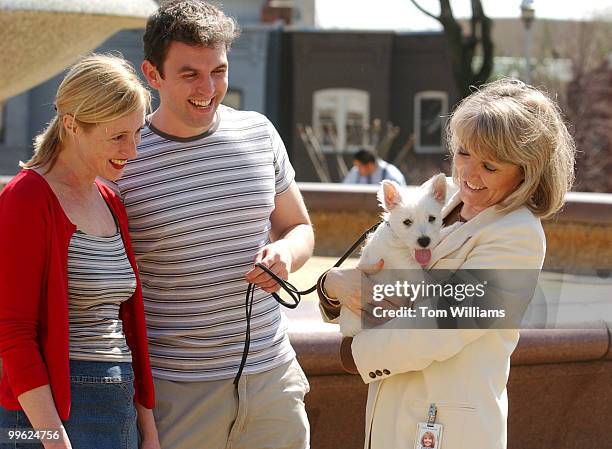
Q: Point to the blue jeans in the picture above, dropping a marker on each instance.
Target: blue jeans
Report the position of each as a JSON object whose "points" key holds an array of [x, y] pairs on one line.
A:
{"points": [[102, 412]]}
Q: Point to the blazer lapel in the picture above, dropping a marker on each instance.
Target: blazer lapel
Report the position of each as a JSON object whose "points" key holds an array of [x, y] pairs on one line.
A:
{"points": [[463, 233], [451, 204]]}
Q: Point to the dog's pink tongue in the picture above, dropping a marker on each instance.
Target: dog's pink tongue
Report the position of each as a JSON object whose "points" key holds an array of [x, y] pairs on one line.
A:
{"points": [[422, 256]]}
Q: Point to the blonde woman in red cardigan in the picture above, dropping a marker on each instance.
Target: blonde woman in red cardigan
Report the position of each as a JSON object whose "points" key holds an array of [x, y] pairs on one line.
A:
{"points": [[72, 331]]}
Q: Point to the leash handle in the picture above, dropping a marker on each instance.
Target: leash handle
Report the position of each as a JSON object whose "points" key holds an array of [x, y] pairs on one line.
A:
{"points": [[292, 291]]}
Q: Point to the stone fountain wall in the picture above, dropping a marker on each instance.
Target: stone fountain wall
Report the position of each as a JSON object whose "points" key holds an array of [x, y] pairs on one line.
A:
{"points": [[579, 238]]}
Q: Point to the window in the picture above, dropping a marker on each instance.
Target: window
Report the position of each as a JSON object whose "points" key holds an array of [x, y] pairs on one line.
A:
{"points": [[233, 99], [430, 112], [340, 118]]}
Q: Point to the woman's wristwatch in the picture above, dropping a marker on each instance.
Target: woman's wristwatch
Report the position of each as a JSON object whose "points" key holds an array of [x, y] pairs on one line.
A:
{"points": [[331, 306], [321, 283]]}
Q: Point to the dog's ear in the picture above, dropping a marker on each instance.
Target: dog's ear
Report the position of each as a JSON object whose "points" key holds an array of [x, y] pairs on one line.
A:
{"points": [[438, 187], [389, 195]]}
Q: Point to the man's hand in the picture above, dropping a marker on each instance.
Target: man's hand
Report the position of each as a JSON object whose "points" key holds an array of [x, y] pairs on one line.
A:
{"points": [[292, 241], [275, 256]]}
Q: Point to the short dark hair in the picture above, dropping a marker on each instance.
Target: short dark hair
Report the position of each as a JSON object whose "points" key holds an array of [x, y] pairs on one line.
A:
{"points": [[192, 22], [365, 156]]}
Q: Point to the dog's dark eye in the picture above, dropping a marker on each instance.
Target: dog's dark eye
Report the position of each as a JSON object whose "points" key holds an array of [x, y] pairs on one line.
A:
{"points": [[407, 222], [432, 218]]}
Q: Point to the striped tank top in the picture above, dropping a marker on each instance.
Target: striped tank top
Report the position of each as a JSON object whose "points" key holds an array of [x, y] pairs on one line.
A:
{"points": [[100, 278]]}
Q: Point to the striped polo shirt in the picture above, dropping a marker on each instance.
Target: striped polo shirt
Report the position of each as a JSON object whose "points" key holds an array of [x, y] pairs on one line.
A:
{"points": [[199, 210]]}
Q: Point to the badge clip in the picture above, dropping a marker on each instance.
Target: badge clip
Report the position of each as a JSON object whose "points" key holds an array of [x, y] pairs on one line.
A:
{"points": [[432, 413], [429, 434]]}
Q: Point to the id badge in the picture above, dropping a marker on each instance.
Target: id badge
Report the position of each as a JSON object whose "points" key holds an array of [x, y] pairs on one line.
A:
{"points": [[429, 434]]}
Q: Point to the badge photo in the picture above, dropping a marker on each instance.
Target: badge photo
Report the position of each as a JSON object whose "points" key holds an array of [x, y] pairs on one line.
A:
{"points": [[429, 436]]}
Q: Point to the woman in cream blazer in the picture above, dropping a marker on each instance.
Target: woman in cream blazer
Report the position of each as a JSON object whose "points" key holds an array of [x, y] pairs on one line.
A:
{"points": [[512, 164]]}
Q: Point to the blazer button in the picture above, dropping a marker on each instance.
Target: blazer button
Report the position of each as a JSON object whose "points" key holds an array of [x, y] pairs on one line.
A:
{"points": [[372, 375], [386, 371], [378, 372]]}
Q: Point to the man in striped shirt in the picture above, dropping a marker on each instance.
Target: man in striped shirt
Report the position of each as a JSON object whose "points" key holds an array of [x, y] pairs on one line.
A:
{"points": [[212, 192]]}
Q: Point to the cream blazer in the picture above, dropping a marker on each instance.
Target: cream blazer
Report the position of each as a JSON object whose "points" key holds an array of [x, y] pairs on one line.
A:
{"points": [[464, 372]]}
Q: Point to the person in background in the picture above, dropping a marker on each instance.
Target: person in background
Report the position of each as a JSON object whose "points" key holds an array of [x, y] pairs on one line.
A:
{"points": [[369, 169], [73, 338]]}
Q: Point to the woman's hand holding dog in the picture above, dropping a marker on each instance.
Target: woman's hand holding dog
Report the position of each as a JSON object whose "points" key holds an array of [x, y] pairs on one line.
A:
{"points": [[347, 285]]}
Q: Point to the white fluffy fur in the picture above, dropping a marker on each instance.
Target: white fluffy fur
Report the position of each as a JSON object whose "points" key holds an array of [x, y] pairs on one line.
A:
{"points": [[396, 241]]}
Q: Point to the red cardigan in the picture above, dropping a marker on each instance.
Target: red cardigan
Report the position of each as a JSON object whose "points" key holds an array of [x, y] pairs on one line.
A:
{"points": [[34, 237]]}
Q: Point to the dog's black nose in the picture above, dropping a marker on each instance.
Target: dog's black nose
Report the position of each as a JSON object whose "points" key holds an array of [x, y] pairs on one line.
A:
{"points": [[424, 241]]}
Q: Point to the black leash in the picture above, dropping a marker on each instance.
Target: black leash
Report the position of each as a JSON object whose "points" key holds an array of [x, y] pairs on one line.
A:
{"points": [[292, 291]]}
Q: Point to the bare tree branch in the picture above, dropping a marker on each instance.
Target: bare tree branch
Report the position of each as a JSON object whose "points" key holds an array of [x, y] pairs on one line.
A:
{"points": [[473, 21], [463, 48], [424, 11], [486, 42], [446, 10]]}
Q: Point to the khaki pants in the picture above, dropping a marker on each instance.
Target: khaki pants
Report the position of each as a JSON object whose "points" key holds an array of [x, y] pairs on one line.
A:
{"points": [[266, 411]]}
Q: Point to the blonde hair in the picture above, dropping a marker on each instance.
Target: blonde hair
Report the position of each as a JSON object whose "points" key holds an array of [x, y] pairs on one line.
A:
{"points": [[509, 121], [97, 89]]}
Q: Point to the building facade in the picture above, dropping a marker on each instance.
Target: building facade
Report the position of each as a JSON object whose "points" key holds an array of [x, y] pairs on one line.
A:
{"points": [[337, 82]]}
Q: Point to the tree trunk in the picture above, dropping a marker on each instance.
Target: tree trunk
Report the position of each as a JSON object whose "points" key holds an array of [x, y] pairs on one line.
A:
{"points": [[463, 48]]}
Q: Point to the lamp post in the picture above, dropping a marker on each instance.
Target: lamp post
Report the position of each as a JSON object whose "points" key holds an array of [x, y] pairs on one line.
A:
{"points": [[527, 16]]}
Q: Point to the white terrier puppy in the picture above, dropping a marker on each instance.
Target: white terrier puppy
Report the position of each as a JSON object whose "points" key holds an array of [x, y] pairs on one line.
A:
{"points": [[412, 227]]}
